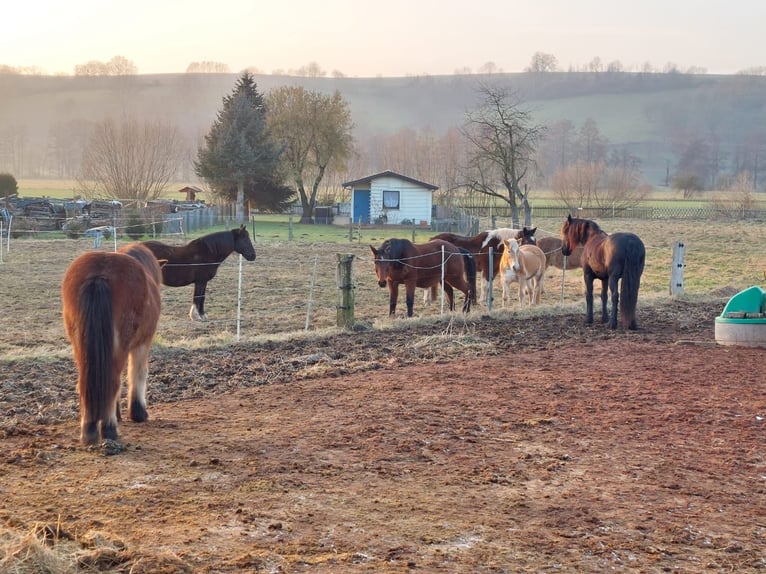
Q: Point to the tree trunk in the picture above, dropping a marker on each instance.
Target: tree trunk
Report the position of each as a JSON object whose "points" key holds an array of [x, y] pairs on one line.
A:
{"points": [[239, 208], [307, 205]]}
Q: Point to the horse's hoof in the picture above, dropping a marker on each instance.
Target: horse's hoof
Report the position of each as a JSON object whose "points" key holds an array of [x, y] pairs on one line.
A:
{"points": [[138, 413]]}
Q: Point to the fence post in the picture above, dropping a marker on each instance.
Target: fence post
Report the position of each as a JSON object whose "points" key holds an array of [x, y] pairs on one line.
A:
{"points": [[290, 228], [345, 280], [491, 267], [677, 269]]}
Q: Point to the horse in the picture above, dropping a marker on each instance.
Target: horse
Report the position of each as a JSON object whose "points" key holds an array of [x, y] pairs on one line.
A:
{"points": [[551, 246], [479, 246], [525, 264], [197, 262], [612, 258], [399, 261], [111, 307]]}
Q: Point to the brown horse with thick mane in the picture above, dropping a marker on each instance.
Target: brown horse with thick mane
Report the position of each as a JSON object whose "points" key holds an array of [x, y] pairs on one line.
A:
{"points": [[612, 258], [399, 261], [111, 306]]}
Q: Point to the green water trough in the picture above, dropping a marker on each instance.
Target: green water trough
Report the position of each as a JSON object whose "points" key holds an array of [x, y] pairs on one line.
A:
{"points": [[743, 319]]}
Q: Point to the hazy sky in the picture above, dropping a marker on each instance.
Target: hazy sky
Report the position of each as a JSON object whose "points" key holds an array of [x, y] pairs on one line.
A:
{"points": [[388, 38]]}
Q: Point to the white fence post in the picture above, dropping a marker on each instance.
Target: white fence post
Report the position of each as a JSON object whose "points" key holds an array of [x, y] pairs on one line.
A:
{"points": [[677, 269]]}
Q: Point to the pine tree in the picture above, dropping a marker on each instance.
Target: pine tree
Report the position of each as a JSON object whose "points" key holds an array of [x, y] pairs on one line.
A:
{"points": [[238, 157]]}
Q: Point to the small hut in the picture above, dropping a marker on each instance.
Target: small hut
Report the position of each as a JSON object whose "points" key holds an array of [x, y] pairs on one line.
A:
{"points": [[191, 192]]}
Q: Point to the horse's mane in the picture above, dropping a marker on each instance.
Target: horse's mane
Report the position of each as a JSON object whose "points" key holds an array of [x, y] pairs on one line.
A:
{"points": [[220, 243], [499, 234], [395, 250], [585, 228]]}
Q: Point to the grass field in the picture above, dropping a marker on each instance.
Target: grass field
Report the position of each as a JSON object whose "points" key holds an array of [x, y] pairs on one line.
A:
{"points": [[291, 287]]}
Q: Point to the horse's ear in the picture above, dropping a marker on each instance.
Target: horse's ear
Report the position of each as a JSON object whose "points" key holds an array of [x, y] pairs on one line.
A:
{"points": [[374, 251], [162, 262], [569, 218], [533, 231]]}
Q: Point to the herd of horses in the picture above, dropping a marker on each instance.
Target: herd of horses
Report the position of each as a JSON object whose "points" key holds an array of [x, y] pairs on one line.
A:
{"points": [[111, 301]]}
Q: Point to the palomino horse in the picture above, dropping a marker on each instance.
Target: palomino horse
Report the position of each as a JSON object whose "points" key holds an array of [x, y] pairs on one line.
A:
{"points": [[111, 307], [198, 261], [525, 264], [399, 261], [614, 258], [479, 246]]}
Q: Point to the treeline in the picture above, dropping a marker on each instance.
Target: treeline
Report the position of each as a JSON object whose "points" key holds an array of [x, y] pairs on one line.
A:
{"points": [[692, 131]]}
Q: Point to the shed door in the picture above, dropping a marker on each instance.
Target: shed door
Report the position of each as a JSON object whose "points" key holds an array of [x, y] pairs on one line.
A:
{"points": [[361, 206]]}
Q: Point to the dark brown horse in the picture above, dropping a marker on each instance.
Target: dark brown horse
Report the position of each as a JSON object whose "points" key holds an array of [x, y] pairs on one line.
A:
{"points": [[111, 306], [614, 258], [480, 245], [198, 261], [399, 261]]}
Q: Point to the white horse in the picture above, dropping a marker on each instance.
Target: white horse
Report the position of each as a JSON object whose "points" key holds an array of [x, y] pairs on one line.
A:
{"points": [[525, 264]]}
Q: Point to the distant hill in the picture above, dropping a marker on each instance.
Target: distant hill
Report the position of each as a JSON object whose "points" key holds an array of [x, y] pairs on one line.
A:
{"points": [[644, 111]]}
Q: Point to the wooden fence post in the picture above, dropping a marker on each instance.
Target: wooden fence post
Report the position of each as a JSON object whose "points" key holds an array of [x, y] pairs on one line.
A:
{"points": [[345, 279], [677, 269]]}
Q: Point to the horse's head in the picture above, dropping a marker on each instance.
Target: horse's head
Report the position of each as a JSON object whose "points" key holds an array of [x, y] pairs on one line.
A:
{"points": [[567, 243], [242, 243], [527, 236], [381, 264], [511, 252]]}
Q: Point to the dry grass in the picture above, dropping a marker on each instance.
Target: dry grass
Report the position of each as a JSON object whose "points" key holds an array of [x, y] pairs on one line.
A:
{"points": [[277, 287]]}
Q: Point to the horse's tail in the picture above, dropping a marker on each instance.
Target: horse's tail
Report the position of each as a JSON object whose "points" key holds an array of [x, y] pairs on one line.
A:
{"points": [[631, 280], [97, 336], [470, 272]]}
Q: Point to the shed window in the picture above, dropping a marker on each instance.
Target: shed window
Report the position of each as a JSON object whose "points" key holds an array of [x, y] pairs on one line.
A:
{"points": [[390, 199]]}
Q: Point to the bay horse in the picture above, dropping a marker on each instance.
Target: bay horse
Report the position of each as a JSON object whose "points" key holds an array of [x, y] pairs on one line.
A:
{"points": [[551, 246], [612, 258], [479, 246], [111, 306], [399, 261], [198, 261], [525, 264]]}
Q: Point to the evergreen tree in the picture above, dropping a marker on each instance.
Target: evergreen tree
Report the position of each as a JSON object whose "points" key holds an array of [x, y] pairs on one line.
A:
{"points": [[238, 158]]}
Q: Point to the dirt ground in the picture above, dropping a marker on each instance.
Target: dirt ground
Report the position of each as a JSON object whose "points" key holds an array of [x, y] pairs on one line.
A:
{"points": [[486, 446]]}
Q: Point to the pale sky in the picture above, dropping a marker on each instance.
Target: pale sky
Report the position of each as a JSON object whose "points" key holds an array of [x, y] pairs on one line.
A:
{"points": [[383, 38]]}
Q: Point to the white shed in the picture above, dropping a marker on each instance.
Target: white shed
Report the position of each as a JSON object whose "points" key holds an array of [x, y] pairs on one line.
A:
{"points": [[391, 198]]}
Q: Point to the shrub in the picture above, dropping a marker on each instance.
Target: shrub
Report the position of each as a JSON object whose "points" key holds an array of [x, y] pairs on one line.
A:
{"points": [[135, 228]]}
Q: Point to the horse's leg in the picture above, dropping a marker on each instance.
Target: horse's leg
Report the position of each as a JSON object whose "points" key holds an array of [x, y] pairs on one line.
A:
{"points": [[197, 311], [393, 296], [450, 292], [109, 419], [604, 300], [138, 371], [485, 287], [615, 301], [409, 290], [589, 278]]}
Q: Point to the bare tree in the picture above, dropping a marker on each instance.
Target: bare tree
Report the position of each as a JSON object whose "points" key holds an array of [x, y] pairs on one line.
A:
{"points": [[207, 67], [596, 184], [488, 68], [542, 62], [503, 139], [117, 66], [121, 66], [92, 68], [130, 160]]}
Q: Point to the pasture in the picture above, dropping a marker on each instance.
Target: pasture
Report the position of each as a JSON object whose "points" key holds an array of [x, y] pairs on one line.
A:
{"points": [[510, 441]]}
